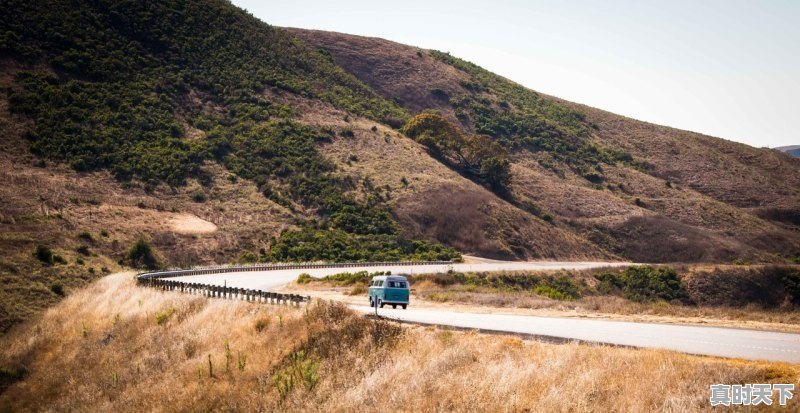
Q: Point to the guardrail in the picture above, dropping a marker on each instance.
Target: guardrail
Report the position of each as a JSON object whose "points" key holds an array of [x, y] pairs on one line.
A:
{"points": [[160, 279], [230, 293]]}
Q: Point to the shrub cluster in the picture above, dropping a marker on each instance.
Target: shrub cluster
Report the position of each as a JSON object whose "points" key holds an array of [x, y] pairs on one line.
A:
{"points": [[521, 118], [336, 245], [559, 287], [345, 278], [474, 155], [143, 255], [643, 283]]}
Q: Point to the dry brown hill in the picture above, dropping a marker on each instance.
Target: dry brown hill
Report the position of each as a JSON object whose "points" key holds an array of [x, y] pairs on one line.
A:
{"points": [[693, 197]]}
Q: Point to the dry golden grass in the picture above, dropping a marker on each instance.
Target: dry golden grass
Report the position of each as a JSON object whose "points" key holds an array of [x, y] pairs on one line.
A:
{"points": [[103, 349]]}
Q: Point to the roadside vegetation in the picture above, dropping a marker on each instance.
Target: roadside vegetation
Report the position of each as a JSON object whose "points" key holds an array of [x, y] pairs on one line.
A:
{"points": [[717, 294], [117, 347]]}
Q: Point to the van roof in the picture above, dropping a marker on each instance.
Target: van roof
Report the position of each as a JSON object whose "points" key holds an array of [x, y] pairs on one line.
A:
{"points": [[390, 277]]}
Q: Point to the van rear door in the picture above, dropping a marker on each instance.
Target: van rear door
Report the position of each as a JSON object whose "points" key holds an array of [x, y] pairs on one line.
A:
{"points": [[396, 291]]}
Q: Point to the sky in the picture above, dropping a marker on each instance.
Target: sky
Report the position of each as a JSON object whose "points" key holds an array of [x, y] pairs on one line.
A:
{"points": [[726, 68]]}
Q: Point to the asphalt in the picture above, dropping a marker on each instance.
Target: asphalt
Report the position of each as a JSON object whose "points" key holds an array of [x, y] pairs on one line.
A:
{"points": [[709, 341]]}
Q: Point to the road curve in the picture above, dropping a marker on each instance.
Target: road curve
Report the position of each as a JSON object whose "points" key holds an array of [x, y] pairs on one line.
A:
{"points": [[711, 341]]}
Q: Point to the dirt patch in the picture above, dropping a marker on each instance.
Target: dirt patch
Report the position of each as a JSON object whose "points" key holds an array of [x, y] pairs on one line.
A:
{"points": [[190, 224], [473, 220]]}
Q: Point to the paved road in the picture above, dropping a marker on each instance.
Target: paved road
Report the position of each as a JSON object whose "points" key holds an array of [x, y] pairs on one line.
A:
{"points": [[265, 280], [710, 341], [713, 341]]}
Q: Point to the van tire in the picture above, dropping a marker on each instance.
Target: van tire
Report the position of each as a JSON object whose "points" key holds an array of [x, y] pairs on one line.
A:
{"points": [[404, 306], [394, 306], [371, 303], [380, 303]]}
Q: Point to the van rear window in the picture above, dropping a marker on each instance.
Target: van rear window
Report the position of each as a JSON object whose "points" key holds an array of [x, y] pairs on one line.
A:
{"points": [[397, 284]]}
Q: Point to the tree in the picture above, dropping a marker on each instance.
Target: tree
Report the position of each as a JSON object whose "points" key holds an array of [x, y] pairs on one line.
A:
{"points": [[496, 172], [473, 155]]}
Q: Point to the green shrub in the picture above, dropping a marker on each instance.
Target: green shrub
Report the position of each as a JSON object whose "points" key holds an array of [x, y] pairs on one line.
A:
{"points": [[304, 278], [44, 254], [83, 250], [563, 287], [791, 283], [103, 233], [248, 257], [643, 283], [551, 292], [142, 255], [164, 315], [301, 369], [86, 236], [57, 289], [356, 278]]}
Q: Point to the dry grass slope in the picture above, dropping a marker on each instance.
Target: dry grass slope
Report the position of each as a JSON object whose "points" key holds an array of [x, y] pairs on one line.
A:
{"points": [[699, 199], [117, 347], [429, 200]]}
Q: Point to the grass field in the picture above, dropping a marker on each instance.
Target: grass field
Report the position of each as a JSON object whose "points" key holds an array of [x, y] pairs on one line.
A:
{"points": [[116, 346]]}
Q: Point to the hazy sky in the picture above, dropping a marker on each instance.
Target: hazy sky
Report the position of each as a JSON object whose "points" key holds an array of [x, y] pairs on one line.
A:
{"points": [[725, 68]]}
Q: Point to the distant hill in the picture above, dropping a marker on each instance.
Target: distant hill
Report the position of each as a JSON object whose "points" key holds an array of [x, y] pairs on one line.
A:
{"points": [[793, 150], [640, 191], [127, 121]]}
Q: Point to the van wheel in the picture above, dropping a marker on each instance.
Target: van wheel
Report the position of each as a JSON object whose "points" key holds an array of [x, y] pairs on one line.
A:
{"points": [[404, 306], [371, 303], [380, 303], [394, 306]]}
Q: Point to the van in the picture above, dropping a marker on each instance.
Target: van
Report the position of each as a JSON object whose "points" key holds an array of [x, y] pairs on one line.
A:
{"points": [[389, 289]]}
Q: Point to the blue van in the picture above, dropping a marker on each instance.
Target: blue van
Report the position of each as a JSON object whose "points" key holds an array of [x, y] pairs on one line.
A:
{"points": [[389, 289]]}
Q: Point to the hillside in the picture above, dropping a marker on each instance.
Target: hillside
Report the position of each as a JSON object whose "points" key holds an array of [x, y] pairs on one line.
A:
{"points": [[642, 191], [793, 150], [197, 129]]}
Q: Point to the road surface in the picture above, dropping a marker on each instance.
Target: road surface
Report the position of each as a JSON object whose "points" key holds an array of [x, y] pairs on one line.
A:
{"points": [[711, 341]]}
